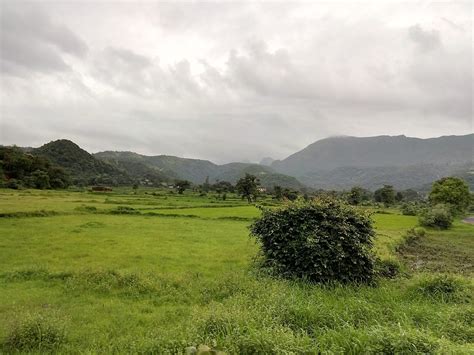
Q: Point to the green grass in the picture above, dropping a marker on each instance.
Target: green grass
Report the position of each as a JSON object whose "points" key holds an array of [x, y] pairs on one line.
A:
{"points": [[100, 283]]}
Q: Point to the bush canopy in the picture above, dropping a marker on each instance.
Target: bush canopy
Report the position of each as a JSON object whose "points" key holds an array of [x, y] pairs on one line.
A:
{"points": [[320, 240]]}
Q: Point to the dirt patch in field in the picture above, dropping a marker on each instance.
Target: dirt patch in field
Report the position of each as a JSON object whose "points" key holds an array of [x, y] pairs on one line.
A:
{"points": [[469, 220], [438, 253]]}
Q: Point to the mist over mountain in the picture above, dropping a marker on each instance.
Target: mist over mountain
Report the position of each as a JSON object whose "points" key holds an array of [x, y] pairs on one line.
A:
{"points": [[267, 161]]}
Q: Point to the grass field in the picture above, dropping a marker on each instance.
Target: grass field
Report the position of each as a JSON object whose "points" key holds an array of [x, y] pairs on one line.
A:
{"points": [[155, 272]]}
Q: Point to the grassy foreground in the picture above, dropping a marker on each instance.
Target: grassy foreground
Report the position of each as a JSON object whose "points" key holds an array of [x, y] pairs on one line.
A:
{"points": [[155, 272]]}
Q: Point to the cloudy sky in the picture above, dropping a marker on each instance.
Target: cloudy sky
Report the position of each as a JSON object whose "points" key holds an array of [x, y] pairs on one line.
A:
{"points": [[232, 81]]}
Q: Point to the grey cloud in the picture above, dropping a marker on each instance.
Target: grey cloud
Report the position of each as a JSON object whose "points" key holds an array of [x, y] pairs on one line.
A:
{"points": [[32, 41], [426, 40]]}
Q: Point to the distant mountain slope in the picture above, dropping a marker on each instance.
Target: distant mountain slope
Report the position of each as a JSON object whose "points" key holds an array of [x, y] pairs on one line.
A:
{"points": [[342, 162], [336, 152], [196, 170]]}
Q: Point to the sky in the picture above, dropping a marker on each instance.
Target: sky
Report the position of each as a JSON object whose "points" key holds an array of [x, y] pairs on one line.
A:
{"points": [[232, 81]]}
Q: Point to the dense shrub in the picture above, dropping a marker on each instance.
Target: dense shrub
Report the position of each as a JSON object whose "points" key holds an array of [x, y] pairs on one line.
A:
{"points": [[321, 240], [409, 209], [438, 216]]}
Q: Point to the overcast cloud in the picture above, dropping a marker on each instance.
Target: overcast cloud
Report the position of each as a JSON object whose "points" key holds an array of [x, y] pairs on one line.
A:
{"points": [[232, 81]]}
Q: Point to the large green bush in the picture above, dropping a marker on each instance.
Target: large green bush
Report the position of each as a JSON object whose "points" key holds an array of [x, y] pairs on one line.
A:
{"points": [[438, 216], [321, 240]]}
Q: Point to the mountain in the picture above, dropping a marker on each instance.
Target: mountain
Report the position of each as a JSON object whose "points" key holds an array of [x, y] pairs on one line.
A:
{"points": [[267, 161], [196, 170], [342, 162]]}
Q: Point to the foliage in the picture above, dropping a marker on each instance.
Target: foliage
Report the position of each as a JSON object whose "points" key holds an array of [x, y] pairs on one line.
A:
{"points": [[386, 195], [182, 185], [278, 192], [290, 195], [24, 169], [322, 240], [410, 209], [247, 187], [451, 191], [221, 186], [410, 195], [438, 216], [358, 195]]}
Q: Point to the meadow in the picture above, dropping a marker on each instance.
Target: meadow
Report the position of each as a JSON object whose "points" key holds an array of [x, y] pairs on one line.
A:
{"points": [[149, 271]]}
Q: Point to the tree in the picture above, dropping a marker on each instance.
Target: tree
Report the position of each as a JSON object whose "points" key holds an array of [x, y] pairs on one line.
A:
{"points": [[452, 191], [247, 187], [182, 185], [386, 195], [206, 186], [357, 195], [40, 179], [399, 196], [278, 192], [223, 186], [411, 195]]}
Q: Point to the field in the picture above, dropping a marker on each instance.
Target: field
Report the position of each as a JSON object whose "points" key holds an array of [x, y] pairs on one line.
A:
{"points": [[155, 272]]}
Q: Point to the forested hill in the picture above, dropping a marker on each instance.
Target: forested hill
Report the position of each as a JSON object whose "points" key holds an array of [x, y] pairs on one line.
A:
{"points": [[85, 169], [342, 162]]}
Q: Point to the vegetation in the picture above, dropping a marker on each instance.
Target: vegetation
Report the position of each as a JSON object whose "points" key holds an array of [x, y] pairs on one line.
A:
{"points": [[385, 195], [20, 169], [453, 192], [182, 185], [410, 209], [322, 240], [358, 195], [438, 216], [177, 274], [247, 187]]}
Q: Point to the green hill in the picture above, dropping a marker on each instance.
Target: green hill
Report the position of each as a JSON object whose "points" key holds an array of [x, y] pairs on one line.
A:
{"points": [[196, 170]]}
